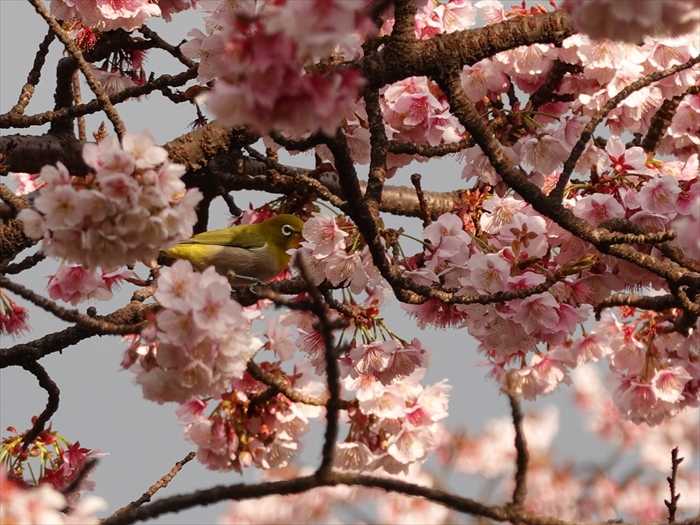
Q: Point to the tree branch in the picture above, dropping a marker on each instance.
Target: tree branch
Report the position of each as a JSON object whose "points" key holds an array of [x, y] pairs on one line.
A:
{"points": [[72, 316], [53, 392], [34, 75], [522, 456], [557, 193], [160, 484], [86, 68]]}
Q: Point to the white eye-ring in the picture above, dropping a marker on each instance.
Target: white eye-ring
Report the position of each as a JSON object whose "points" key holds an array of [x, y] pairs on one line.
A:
{"points": [[287, 230]]}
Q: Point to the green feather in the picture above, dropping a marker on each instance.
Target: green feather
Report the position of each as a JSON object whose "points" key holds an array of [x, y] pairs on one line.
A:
{"points": [[237, 236]]}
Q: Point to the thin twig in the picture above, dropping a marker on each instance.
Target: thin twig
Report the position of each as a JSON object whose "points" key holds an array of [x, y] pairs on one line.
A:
{"points": [[95, 105], [425, 215], [558, 192], [54, 394], [522, 455], [160, 484], [77, 100], [165, 46], [84, 66], [34, 75], [71, 316], [320, 309], [671, 504], [281, 386]]}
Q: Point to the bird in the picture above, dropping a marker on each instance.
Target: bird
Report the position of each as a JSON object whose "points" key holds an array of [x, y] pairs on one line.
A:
{"points": [[246, 253]]}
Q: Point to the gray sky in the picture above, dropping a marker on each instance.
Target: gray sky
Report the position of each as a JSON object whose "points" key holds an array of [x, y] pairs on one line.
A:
{"points": [[100, 405]]}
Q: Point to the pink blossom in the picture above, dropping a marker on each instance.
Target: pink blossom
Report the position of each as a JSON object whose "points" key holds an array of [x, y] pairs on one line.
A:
{"points": [[125, 213], [660, 195], [686, 229], [259, 61], [279, 335], [13, 317], [323, 236], [74, 284], [542, 376], [630, 20], [26, 182], [436, 18], [599, 208], [622, 160], [415, 110], [543, 154], [488, 272], [201, 339], [436, 313], [106, 15], [525, 235], [483, 79], [43, 505], [668, 383], [177, 287]]}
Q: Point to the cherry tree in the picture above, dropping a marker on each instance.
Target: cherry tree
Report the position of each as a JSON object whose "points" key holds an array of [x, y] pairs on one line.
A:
{"points": [[570, 252]]}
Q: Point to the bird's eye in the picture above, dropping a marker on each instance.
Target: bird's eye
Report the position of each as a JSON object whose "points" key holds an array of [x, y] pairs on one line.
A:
{"points": [[287, 230]]}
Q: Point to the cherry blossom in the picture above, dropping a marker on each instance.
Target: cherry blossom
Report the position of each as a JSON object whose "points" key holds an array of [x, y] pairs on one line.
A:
{"points": [[631, 20], [13, 317], [75, 283], [106, 15], [200, 339], [259, 59], [42, 505], [135, 205]]}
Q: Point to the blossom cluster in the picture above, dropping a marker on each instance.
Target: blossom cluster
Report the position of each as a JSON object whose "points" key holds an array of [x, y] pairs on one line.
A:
{"points": [[107, 15], [266, 63], [657, 373], [563, 490], [74, 283], [503, 245], [57, 462], [396, 420], [332, 254], [42, 505], [198, 342], [631, 20], [133, 205], [247, 429]]}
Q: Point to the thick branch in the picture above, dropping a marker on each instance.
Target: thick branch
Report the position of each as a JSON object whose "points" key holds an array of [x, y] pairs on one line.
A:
{"points": [[240, 492], [430, 57]]}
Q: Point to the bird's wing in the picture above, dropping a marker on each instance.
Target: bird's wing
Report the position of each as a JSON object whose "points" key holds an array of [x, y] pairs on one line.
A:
{"points": [[240, 237]]}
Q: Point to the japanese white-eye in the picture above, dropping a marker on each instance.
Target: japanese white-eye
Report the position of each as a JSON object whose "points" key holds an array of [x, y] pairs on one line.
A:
{"points": [[253, 252]]}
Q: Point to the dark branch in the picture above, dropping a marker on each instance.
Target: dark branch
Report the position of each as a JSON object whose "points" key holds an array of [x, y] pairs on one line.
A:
{"points": [[160, 484], [53, 392]]}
